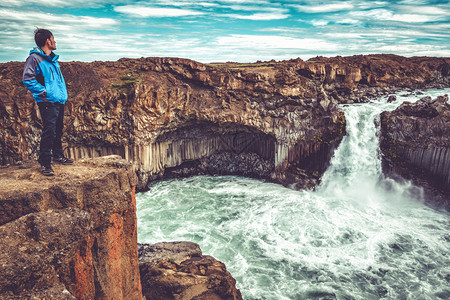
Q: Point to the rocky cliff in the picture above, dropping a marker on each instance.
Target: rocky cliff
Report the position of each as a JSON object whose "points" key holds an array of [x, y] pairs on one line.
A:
{"points": [[176, 117], [415, 142], [72, 236]]}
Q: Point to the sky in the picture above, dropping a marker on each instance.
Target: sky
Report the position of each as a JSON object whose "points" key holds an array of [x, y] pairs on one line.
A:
{"points": [[226, 30]]}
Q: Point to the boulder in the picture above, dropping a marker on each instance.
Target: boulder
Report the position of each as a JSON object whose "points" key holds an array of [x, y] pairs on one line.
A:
{"points": [[178, 270], [392, 98]]}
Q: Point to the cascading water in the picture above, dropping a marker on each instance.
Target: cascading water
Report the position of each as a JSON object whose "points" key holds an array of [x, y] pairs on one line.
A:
{"points": [[358, 236]]}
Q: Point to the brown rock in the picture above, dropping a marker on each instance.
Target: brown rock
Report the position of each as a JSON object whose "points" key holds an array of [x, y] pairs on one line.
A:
{"points": [[415, 142], [37, 247], [160, 113], [72, 235], [392, 98], [178, 270]]}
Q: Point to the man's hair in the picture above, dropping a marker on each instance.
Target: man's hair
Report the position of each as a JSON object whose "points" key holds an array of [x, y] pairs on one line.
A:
{"points": [[41, 36]]}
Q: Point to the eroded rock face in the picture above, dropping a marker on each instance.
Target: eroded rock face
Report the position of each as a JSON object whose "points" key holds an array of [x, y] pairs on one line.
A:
{"points": [[178, 270], [69, 236], [415, 142], [161, 113]]}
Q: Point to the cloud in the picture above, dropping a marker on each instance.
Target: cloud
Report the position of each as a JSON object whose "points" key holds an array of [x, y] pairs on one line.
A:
{"points": [[256, 8], [156, 12], [54, 3], [383, 35], [17, 27], [257, 16], [199, 30], [274, 42], [51, 20], [347, 21], [411, 49], [387, 15], [260, 13], [245, 1], [319, 22], [182, 3], [133, 45], [333, 7], [428, 10]]}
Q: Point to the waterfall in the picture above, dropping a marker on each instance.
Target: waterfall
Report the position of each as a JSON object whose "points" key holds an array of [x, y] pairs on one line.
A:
{"points": [[358, 236]]}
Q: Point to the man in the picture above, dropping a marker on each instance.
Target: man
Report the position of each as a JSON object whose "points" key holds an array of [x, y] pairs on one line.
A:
{"points": [[42, 76]]}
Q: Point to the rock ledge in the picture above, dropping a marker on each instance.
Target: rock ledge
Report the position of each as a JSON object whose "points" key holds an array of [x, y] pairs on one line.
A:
{"points": [[71, 236]]}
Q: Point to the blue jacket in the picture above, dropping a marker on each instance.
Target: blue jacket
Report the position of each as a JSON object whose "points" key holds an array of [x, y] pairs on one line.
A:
{"points": [[42, 76]]}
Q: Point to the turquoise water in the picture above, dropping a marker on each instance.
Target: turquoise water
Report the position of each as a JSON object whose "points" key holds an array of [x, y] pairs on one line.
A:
{"points": [[358, 236]]}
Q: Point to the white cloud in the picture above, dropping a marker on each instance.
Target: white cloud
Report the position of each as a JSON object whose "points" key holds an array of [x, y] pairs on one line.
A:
{"points": [[244, 1], [54, 3], [38, 2], [372, 4], [90, 46], [344, 35], [257, 16], [274, 42], [260, 13], [17, 27], [333, 7], [206, 3], [50, 20], [156, 12], [183, 3], [428, 10], [409, 18], [410, 49], [256, 8], [387, 15], [319, 22], [347, 21], [383, 34], [407, 28]]}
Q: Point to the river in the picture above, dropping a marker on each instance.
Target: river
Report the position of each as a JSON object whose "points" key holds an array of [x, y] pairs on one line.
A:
{"points": [[357, 236]]}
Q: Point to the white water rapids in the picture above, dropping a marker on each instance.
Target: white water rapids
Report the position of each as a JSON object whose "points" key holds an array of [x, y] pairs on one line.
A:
{"points": [[358, 236]]}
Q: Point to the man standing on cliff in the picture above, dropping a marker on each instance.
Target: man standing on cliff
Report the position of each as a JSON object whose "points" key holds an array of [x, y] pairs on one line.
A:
{"points": [[42, 76]]}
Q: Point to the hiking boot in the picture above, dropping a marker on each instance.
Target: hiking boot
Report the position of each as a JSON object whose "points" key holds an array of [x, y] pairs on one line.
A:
{"points": [[47, 170], [62, 160]]}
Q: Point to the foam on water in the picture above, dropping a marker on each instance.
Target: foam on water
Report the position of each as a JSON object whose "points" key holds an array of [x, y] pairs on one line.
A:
{"points": [[358, 236]]}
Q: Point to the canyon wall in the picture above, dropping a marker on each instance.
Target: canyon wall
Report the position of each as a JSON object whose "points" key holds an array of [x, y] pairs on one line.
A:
{"points": [[175, 117], [71, 236], [415, 142]]}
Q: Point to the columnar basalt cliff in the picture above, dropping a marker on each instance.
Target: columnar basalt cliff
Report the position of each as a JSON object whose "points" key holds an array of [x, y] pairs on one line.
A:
{"points": [[175, 117], [72, 236], [415, 142]]}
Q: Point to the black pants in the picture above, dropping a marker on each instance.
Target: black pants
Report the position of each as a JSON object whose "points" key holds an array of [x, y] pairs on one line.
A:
{"points": [[52, 115]]}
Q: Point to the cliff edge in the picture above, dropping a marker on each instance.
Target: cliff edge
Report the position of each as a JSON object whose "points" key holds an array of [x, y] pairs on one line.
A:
{"points": [[72, 236]]}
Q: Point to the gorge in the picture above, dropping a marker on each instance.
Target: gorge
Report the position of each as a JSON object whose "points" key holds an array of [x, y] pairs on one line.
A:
{"points": [[358, 235], [171, 118]]}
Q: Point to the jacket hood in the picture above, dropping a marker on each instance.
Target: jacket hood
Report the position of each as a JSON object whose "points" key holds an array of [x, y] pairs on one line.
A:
{"points": [[39, 51]]}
